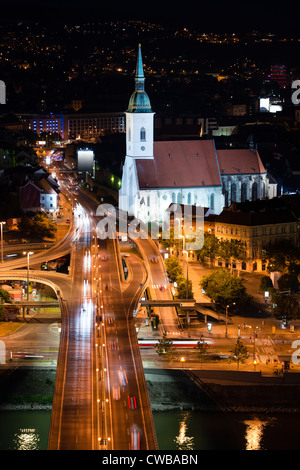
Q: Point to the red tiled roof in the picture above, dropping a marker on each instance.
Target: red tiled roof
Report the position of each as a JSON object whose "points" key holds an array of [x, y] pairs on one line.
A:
{"points": [[182, 164], [239, 161]]}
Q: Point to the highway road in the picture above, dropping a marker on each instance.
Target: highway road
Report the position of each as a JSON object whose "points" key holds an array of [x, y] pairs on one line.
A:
{"points": [[101, 399]]}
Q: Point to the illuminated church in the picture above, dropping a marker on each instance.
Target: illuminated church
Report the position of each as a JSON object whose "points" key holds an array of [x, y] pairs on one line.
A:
{"points": [[188, 172]]}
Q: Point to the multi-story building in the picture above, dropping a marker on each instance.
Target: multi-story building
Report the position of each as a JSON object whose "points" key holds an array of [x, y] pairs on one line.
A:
{"points": [[75, 126], [40, 123], [257, 230], [91, 126]]}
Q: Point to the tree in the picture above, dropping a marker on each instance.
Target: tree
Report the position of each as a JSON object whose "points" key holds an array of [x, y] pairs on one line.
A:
{"points": [[182, 291], [288, 281], [4, 298], [209, 249], [201, 349], [239, 353], [224, 288], [286, 307], [171, 241], [276, 262], [38, 226], [265, 283], [231, 249], [173, 268], [164, 347]]}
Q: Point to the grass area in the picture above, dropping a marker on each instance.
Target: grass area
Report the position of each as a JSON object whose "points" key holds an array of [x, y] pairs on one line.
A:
{"points": [[7, 327]]}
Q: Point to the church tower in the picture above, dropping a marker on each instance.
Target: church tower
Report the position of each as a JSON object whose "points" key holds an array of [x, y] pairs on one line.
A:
{"points": [[139, 118]]}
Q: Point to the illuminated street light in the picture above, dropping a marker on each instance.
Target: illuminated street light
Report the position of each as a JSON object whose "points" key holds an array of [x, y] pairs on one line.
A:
{"points": [[227, 307], [28, 253], [2, 223]]}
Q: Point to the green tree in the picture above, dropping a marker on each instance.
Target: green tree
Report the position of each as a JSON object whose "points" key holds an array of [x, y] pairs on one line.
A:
{"points": [[173, 268], [224, 288], [184, 288], [164, 347], [286, 307], [4, 298], [201, 350], [171, 241], [209, 250], [231, 249], [276, 263], [265, 283], [288, 281], [239, 353], [39, 226]]}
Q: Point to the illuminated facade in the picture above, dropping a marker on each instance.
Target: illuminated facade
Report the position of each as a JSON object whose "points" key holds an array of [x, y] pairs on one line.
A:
{"points": [[190, 172]]}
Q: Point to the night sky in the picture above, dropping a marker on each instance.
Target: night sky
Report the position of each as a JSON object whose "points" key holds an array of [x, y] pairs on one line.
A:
{"points": [[231, 15]]}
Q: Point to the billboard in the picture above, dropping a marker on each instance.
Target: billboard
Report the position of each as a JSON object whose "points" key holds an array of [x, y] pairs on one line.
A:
{"points": [[264, 104], [85, 160]]}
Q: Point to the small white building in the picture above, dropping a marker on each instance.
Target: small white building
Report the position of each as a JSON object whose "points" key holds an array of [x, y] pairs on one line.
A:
{"points": [[38, 195]]}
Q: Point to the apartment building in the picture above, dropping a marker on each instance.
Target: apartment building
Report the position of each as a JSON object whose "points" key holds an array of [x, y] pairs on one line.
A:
{"points": [[257, 230]]}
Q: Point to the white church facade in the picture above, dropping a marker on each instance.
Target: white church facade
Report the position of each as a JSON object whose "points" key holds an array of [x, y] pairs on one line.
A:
{"points": [[190, 172]]}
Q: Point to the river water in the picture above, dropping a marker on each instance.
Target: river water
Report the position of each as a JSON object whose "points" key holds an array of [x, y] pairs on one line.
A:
{"points": [[176, 430]]}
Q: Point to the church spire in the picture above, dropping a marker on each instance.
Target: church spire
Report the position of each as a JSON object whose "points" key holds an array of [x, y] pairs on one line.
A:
{"points": [[139, 101], [139, 71]]}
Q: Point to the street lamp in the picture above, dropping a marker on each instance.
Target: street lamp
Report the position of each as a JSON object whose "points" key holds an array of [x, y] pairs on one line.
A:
{"points": [[227, 307], [187, 266], [28, 253], [182, 361], [2, 223]]}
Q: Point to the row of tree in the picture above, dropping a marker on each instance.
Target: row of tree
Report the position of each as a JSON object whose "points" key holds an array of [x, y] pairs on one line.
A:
{"points": [[278, 257], [175, 273], [164, 348]]}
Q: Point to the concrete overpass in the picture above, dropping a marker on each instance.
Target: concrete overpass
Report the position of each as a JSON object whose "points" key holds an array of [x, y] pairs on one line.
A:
{"points": [[186, 304]]}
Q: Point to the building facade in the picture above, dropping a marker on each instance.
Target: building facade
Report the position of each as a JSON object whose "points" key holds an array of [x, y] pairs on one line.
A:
{"points": [[257, 230]]}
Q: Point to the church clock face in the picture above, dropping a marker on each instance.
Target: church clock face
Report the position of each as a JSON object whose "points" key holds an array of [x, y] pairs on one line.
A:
{"points": [[142, 148]]}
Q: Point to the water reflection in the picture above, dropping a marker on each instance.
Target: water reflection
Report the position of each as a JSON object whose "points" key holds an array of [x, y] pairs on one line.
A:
{"points": [[26, 439], [183, 441], [255, 431]]}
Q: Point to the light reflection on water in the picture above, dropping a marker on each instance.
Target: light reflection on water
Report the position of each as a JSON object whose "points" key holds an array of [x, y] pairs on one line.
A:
{"points": [[254, 434], [26, 439], [184, 442]]}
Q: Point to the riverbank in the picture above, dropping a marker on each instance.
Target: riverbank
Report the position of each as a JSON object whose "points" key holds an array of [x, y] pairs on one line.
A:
{"points": [[222, 391], [29, 389]]}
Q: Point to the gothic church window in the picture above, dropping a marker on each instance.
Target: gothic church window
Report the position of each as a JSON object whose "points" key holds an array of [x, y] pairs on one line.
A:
{"points": [[244, 192], [254, 191], [233, 192], [143, 134]]}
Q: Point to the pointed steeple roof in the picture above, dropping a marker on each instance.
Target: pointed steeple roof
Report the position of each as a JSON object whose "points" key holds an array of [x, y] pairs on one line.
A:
{"points": [[139, 101]]}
